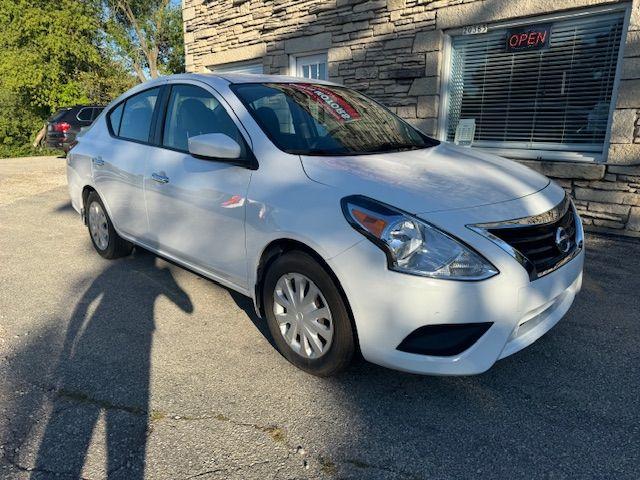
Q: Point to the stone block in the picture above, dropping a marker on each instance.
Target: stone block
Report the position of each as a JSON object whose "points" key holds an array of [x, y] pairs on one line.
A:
{"points": [[629, 94], [608, 196], [280, 60], [432, 63], [398, 43], [395, 4], [624, 170], [370, 5], [428, 41], [424, 86], [428, 106], [634, 220], [383, 29], [188, 14], [621, 210], [584, 171], [623, 125], [414, 72], [624, 154], [408, 112], [308, 43], [608, 224], [366, 72], [247, 52], [354, 26], [339, 54], [634, 21], [428, 126], [632, 45], [630, 68]]}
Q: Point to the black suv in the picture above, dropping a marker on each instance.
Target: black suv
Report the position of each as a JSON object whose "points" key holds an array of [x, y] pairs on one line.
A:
{"points": [[65, 124]]}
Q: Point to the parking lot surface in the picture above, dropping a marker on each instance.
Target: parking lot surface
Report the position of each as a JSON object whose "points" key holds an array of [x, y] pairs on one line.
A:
{"points": [[137, 368]]}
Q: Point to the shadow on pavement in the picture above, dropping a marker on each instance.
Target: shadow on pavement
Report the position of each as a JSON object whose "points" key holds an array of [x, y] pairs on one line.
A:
{"points": [[106, 356]]}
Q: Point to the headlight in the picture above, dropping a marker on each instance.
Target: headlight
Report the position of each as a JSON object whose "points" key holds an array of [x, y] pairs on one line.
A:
{"points": [[412, 245]]}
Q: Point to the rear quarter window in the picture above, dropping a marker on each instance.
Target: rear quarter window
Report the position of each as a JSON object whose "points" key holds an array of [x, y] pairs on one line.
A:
{"points": [[114, 119]]}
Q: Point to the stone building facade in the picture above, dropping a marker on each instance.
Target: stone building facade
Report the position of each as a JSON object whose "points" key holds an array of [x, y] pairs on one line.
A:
{"points": [[400, 53]]}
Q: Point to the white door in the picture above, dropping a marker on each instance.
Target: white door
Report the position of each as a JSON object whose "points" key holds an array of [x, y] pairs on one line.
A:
{"points": [[195, 206], [119, 166]]}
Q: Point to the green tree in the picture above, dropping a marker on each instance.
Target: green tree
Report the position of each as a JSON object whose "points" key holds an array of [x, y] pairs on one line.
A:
{"points": [[146, 35], [52, 54]]}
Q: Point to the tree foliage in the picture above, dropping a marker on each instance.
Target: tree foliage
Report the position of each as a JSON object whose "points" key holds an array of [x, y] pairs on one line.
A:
{"points": [[146, 35], [50, 56], [58, 53]]}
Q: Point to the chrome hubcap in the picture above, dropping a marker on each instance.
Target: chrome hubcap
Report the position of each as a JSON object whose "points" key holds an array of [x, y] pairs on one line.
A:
{"points": [[303, 315], [98, 226]]}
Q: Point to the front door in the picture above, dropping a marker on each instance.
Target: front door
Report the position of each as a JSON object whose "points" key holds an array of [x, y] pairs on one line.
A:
{"points": [[195, 206]]}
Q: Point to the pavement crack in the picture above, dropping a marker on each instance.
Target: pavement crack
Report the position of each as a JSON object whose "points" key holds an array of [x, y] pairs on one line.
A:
{"points": [[80, 397], [31, 470], [207, 472]]}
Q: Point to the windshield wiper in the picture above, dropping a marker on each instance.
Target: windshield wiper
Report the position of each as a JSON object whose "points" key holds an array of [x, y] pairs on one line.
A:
{"points": [[389, 146]]}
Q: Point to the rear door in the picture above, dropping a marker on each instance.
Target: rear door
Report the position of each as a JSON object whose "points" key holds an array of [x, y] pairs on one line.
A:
{"points": [[119, 166], [196, 206]]}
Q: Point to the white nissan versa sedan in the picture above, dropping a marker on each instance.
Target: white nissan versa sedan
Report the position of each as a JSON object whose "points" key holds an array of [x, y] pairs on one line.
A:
{"points": [[346, 226]]}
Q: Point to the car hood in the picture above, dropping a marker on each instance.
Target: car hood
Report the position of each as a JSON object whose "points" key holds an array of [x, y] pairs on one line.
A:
{"points": [[444, 177]]}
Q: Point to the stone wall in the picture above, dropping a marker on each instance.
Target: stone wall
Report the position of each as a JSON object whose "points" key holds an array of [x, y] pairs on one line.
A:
{"points": [[393, 50]]}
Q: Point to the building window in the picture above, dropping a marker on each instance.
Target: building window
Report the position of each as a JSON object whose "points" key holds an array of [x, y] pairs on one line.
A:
{"points": [[311, 66], [544, 86], [254, 67]]}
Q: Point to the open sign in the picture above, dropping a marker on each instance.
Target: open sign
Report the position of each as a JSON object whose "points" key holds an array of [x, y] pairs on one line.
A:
{"points": [[536, 37]]}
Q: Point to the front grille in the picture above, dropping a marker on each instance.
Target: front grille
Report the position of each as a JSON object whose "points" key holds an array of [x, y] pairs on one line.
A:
{"points": [[534, 240]]}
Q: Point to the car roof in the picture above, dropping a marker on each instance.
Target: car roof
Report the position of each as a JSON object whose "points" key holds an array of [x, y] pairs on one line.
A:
{"points": [[236, 78]]}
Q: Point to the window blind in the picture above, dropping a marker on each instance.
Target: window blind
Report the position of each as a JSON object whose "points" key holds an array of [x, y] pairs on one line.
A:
{"points": [[557, 98]]}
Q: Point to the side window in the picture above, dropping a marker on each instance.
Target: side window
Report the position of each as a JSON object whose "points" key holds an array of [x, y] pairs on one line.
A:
{"points": [[193, 111], [114, 119], [84, 115], [136, 117]]}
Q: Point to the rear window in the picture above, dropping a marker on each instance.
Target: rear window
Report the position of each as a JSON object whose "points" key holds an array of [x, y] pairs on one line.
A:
{"points": [[59, 114]]}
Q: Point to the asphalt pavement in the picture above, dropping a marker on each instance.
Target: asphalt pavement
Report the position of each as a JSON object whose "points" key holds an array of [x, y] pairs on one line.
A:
{"points": [[137, 368]]}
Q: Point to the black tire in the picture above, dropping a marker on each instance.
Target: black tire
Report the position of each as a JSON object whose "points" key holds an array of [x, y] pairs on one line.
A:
{"points": [[342, 347], [117, 246]]}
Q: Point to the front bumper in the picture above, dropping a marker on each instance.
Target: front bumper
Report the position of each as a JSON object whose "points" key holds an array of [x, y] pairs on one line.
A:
{"points": [[387, 306]]}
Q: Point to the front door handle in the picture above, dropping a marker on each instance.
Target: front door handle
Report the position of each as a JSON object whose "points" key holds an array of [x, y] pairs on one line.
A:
{"points": [[156, 177], [97, 161]]}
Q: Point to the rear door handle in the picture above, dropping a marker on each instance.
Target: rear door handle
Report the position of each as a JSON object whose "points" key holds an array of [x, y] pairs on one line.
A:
{"points": [[156, 177], [97, 161]]}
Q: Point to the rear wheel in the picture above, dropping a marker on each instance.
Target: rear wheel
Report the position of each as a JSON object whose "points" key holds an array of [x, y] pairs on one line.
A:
{"points": [[104, 237], [307, 316]]}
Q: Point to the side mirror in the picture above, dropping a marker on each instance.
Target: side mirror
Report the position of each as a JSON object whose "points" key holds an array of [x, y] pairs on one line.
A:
{"points": [[214, 146]]}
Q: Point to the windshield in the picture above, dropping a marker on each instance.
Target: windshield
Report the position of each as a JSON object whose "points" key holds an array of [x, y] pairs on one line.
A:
{"points": [[311, 119]]}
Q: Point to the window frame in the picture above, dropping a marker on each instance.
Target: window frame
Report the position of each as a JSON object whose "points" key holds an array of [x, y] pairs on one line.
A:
{"points": [[529, 153], [294, 66], [82, 110], [157, 128], [154, 115]]}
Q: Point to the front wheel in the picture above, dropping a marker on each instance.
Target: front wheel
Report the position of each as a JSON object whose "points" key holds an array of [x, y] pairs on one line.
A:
{"points": [[104, 237], [307, 316]]}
